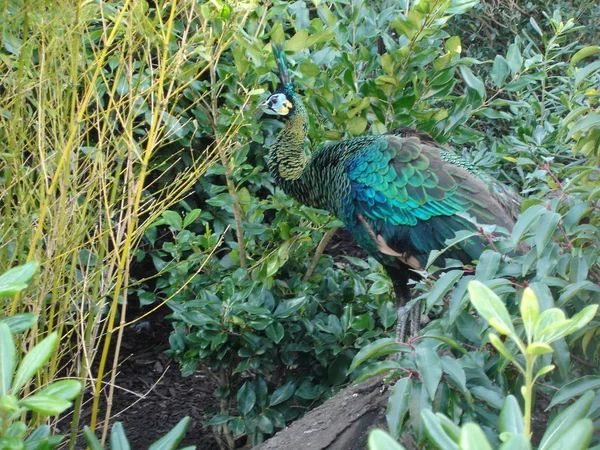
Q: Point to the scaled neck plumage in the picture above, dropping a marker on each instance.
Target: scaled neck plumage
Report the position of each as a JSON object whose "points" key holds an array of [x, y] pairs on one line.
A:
{"points": [[287, 156]]}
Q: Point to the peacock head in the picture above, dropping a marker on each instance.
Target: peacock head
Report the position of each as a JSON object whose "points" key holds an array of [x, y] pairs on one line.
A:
{"points": [[279, 103]]}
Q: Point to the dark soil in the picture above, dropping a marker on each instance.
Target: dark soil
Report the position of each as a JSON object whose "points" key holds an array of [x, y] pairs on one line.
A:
{"points": [[152, 396]]}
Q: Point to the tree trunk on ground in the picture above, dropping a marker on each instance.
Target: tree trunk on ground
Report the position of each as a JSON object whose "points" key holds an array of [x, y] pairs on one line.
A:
{"points": [[341, 423]]}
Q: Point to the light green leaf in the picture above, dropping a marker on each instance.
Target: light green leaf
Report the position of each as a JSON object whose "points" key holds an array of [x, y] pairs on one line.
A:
{"points": [[473, 82], [19, 322], [489, 306], [297, 42], [34, 360], [46, 405], [543, 370], [514, 59], [530, 310], [173, 438], [516, 442], [472, 437], [577, 437], [586, 72], [380, 440], [565, 420], [8, 358], [91, 440], [437, 435], [118, 438], [453, 45], [398, 404], [511, 417], [499, 345], [538, 348], [17, 278], [584, 53], [356, 126], [545, 230], [65, 389]]}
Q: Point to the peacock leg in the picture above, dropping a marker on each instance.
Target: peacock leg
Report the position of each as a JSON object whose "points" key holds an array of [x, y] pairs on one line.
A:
{"points": [[403, 314]]}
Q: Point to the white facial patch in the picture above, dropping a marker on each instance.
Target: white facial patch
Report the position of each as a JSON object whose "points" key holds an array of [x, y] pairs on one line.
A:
{"points": [[277, 104]]}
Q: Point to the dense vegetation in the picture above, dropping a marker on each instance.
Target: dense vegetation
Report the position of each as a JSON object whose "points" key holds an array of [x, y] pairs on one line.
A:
{"points": [[133, 171]]}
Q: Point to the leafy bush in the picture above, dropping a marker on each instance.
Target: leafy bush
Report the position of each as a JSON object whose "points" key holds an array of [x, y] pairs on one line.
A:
{"points": [[232, 260], [17, 373]]}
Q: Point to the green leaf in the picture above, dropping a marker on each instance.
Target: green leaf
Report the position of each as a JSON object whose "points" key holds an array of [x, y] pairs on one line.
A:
{"points": [[574, 388], [530, 310], [535, 26], [91, 440], [398, 404], [336, 373], [543, 370], [472, 437], [441, 287], [297, 42], [287, 308], [585, 73], [46, 405], [173, 438], [538, 348], [489, 306], [453, 46], [246, 398], [356, 126], [511, 417], [380, 440], [500, 70], [118, 438], [430, 367], [499, 345], [377, 368], [473, 82], [565, 420], [446, 340], [265, 424], [173, 219], [584, 53], [545, 230], [514, 59], [191, 216], [577, 437], [282, 393], [525, 222], [34, 360], [19, 322], [516, 442], [8, 359], [17, 278], [65, 389], [380, 347], [435, 432], [455, 371]]}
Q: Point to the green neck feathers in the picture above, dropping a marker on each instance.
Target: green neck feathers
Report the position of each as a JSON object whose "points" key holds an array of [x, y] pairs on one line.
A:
{"points": [[287, 158]]}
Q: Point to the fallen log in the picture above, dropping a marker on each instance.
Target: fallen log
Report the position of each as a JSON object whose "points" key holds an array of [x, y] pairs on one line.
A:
{"points": [[341, 423]]}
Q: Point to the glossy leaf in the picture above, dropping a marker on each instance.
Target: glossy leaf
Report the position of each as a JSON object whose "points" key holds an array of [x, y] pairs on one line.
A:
{"points": [[380, 440], [173, 438], [282, 393], [398, 404], [118, 438], [577, 437], [46, 405], [430, 367], [246, 398], [64, 389], [8, 358], [566, 419], [380, 347], [575, 388], [435, 432], [511, 417], [19, 322], [473, 81], [488, 305], [530, 310], [473, 438], [16, 279], [34, 360]]}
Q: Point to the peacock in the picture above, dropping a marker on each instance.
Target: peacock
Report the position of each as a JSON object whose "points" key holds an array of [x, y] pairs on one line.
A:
{"points": [[400, 195]]}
